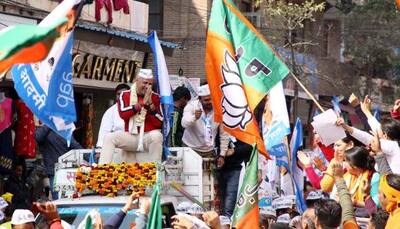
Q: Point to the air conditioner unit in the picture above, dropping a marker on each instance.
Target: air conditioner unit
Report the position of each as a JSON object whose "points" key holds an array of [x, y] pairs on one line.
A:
{"points": [[254, 18]]}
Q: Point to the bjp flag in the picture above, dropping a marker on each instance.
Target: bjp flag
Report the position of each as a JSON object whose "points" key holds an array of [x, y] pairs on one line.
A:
{"points": [[241, 69]]}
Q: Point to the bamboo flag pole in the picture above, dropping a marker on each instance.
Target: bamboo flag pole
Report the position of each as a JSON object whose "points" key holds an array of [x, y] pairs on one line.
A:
{"points": [[307, 92]]}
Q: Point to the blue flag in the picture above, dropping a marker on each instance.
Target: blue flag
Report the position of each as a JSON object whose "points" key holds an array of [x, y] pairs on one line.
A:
{"points": [[297, 174], [46, 88], [167, 102], [377, 114], [335, 104]]}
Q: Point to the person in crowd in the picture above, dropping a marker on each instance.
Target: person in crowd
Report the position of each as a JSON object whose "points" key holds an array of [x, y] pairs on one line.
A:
{"points": [[17, 186], [181, 98], [328, 214], [389, 198], [50, 213], [360, 166], [348, 219], [378, 220], [111, 121], [200, 129], [389, 140], [116, 220], [395, 111], [8, 212], [23, 219], [325, 182], [229, 174], [139, 107], [312, 198], [52, 146]]}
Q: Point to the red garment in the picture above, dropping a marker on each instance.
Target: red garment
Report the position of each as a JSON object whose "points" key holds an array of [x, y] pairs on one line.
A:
{"points": [[56, 225], [395, 114], [5, 114], [153, 120], [315, 180], [328, 151], [99, 5], [121, 4], [24, 144]]}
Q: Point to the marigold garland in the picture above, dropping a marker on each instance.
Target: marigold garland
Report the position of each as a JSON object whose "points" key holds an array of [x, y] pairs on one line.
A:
{"points": [[111, 179]]}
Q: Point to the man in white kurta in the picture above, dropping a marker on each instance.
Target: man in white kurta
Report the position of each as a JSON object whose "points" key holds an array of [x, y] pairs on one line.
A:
{"points": [[111, 121], [200, 128]]}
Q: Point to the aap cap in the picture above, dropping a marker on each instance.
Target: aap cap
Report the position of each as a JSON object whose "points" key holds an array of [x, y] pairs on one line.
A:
{"points": [[22, 216], [314, 195], [285, 218], [145, 73], [268, 211], [195, 209], [203, 90], [282, 203], [183, 207], [225, 220]]}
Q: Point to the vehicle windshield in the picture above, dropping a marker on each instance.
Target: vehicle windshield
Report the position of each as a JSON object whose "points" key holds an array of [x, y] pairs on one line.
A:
{"points": [[75, 214]]}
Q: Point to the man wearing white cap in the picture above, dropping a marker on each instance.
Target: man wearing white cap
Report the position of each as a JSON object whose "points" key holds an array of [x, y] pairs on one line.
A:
{"points": [[139, 107], [200, 128], [23, 219]]}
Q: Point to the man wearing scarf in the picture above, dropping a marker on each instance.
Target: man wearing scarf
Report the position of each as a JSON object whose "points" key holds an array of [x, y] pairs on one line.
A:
{"points": [[142, 139]]}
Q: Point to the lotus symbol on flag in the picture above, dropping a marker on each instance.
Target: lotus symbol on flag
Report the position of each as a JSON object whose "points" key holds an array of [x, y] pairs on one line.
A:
{"points": [[236, 111]]}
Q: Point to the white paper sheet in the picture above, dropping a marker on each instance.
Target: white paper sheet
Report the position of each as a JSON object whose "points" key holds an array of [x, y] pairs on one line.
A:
{"points": [[324, 125]]}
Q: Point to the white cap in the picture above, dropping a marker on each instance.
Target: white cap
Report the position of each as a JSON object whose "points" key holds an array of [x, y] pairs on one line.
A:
{"points": [[183, 207], [268, 211], [203, 90], [282, 203], [314, 195], [22, 216], [285, 218], [195, 209], [3, 203], [145, 74], [225, 220]]}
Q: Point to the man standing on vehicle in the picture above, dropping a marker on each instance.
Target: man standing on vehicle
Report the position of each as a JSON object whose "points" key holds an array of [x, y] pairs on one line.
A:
{"points": [[200, 129], [139, 107], [111, 122]]}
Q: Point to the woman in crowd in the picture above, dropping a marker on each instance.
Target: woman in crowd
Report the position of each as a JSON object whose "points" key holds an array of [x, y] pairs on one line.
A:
{"points": [[389, 198]]}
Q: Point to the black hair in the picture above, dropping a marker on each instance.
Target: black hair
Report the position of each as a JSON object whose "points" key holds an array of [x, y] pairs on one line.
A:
{"points": [[328, 213], [280, 226], [379, 219], [182, 92], [350, 138], [360, 158], [394, 181], [392, 129], [311, 203], [122, 86]]}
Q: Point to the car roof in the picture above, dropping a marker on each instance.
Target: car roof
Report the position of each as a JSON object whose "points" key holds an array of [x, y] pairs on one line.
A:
{"points": [[103, 200]]}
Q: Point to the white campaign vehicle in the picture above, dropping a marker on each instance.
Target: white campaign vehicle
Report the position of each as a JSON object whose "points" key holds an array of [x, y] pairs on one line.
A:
{"points": [[184, 166]]}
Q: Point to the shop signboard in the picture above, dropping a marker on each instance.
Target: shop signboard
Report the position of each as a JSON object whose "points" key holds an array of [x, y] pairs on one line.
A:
{"points": [[93, 67]]}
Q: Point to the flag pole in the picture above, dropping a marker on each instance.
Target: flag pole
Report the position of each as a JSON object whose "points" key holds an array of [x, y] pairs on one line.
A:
{"points": [[307, 92]]}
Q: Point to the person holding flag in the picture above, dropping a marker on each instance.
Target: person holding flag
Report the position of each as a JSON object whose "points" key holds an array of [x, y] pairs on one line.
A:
{"points": [[140, 110]]}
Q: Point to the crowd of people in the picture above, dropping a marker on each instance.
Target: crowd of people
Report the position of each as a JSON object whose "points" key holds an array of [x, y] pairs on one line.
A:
{"points": [[353, 183]]}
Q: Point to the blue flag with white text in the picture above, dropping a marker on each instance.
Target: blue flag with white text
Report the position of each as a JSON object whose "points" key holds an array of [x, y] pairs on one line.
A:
{"points": [[46, 87], [164, 87], [297, 174], [335, 104]]}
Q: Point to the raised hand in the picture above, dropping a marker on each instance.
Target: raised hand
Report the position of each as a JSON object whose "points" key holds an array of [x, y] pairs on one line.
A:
{"points": [[211, 218], [304, 159], [338, 170], [353, 100], [366, 106]]}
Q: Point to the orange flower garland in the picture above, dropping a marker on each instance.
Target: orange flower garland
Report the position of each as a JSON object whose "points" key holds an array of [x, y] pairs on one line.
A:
{"points": [[111, 179]]}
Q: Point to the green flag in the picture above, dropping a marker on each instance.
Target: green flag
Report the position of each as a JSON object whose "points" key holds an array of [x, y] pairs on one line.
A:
{"points": [[246, 213], [155, 215]]}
